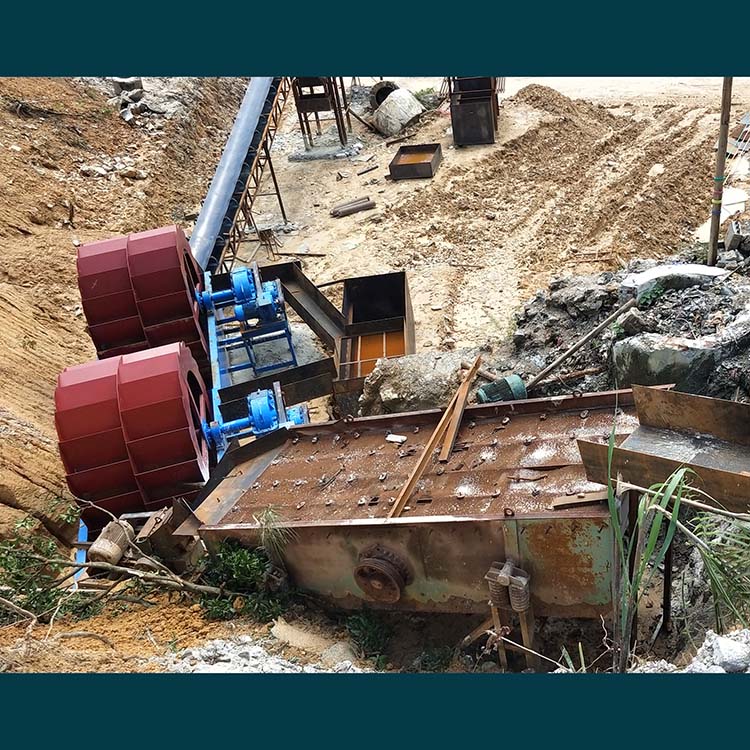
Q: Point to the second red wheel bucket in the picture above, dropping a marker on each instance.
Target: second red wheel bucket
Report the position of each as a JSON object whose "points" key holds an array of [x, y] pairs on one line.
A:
{"points": [[129, 430]]}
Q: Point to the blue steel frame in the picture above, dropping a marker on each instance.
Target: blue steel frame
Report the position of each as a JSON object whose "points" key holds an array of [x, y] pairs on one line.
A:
{"points": [[227, 336]]}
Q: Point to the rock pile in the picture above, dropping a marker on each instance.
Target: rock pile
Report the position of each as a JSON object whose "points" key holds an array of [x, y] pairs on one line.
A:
{"points": [[719, 654], [687, 327], [242, 655]]}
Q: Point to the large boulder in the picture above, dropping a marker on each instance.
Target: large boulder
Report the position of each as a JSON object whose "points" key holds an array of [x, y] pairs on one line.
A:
{"points": [[414, 382], [399, 110], [655, 359]]}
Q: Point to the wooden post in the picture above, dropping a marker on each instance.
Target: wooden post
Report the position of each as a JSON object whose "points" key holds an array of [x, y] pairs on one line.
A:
{"points": [[721, 157], [435, 438]]}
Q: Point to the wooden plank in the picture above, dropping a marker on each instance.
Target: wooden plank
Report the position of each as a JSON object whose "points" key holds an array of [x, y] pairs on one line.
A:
{"points": [[683, 412], [728, 488], [458, 414], [421, 465]]}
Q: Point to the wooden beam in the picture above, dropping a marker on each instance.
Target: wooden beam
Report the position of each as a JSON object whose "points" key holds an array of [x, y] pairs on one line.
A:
{"points": [[458, 413], [432, 443], [721, 157]]}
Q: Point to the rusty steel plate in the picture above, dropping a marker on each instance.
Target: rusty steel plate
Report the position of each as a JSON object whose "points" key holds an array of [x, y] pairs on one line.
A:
{"points": [[334, 483]]}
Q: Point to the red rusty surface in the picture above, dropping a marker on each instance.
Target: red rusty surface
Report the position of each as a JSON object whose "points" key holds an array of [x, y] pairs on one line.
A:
{"points": [[350, 471], [129, 429], [333, 484]]}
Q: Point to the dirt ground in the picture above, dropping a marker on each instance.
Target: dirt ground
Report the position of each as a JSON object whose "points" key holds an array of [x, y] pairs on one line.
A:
{"points": [[571, 185]]}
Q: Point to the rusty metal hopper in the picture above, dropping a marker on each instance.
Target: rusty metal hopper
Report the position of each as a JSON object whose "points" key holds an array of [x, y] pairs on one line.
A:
{"points": [[710, 435]]}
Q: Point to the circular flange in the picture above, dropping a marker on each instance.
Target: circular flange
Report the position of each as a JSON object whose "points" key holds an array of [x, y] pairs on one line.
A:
{"points": [[381, 575]]}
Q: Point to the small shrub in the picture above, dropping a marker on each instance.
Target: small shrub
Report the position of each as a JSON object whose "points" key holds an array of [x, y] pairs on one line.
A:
{"points": [[651, 295], [368, 634], [435, 659], [246, 572], [29, 581]]}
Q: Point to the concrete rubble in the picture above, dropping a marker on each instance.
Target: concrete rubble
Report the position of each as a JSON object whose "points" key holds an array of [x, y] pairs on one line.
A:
{"points": [[244, 655], [719, 654], [147, 101]]}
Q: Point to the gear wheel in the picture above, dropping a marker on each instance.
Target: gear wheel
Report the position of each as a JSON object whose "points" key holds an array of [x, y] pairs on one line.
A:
{"points": [[381, 574]]}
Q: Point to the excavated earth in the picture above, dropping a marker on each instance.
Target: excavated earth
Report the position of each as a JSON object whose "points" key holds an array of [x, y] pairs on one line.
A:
{"points": [[570, 187]]}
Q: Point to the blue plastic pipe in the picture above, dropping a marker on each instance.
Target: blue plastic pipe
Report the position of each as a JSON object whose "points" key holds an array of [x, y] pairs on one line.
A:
{"points": [[221, 203]]}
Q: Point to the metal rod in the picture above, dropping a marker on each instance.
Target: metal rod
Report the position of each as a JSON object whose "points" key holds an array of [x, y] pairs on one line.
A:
{"points": [[666, 607], [275, 183], [345, 103], [590, 335], [721, 157]]}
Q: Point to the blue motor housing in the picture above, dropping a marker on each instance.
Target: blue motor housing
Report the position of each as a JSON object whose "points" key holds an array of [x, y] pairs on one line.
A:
{"points": [[261, 406], [297, 414], [262, 417], [249, 302]]}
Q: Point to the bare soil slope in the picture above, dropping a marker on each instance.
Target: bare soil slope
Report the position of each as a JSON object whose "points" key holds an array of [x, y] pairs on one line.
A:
{"points": [[51, 132]]}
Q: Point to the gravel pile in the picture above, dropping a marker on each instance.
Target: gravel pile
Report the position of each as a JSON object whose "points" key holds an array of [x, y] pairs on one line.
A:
{"points": [[719, 654], [242, 655]]}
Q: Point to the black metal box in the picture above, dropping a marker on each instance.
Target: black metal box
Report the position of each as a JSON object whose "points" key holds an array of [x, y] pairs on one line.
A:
{"points": [[472, 119], [413, 162]]}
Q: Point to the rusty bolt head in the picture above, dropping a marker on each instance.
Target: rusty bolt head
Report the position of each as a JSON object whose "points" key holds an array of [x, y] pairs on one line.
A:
{"points": [[584, 414], [505, 420], [509, 512]]}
